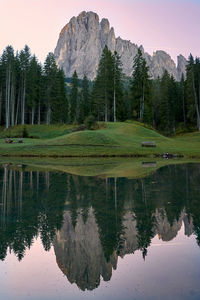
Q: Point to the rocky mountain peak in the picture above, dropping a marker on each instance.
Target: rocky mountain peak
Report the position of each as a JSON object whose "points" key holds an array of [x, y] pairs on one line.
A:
{"points": [[105, 25], [82, 40], [181, 67], [87, 17]]}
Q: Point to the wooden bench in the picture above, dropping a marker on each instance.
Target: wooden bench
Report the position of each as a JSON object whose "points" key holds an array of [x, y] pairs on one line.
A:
{"points": [[148, 144], [149, 164]]}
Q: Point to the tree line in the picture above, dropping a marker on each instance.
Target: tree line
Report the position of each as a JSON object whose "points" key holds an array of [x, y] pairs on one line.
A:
{"points": [[33, 204], [33, 94], [29, 92], [163, 103]]}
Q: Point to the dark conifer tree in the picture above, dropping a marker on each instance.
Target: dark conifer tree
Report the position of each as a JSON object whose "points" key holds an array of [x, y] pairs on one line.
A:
{"points": [[140, 86], [165, 109], [74, 99], [51, 84], [8, 85], [119, 112], [168, 107], [40, 95], [108, 88], [1, 90], [24, 60], [86, 97], [33, 78], [193, 91], [156, 96], [182, 101], [103, 87], [60, 102]]}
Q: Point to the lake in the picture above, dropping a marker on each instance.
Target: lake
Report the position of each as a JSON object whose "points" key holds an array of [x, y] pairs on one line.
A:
{"points": [[64, 236]]}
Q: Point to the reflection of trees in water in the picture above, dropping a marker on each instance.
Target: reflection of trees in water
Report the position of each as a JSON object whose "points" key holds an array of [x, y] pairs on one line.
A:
{"points": [[144, 216], [101, 195], [107, 218], [32, 204], [168, 193]]}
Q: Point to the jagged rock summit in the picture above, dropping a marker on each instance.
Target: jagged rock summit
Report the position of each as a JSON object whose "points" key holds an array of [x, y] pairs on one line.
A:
{"points": [[81, 43]]}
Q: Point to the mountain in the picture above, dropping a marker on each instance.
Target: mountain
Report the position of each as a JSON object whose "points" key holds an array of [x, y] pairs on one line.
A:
{"points": [[82, 40]]}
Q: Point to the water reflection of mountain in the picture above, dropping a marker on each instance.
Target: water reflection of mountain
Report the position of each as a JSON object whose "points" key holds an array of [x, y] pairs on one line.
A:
{"points": [[79, 252], [91, 221], [114, 217]]}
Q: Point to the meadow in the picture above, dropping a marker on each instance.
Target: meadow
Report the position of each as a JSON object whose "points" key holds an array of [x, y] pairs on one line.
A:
{"points": [[109, 140]]}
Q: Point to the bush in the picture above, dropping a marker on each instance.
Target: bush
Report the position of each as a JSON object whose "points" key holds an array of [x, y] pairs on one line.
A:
{"points": [[75, 123], [90, 122], [24, 132]]}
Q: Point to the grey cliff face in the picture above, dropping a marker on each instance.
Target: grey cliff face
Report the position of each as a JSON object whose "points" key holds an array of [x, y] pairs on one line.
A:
{"points": [[181, 68], [160, 62], [83, 39]]}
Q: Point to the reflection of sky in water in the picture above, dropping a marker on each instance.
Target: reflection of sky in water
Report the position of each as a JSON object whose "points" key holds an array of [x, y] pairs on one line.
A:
{"points": [[171, 271]]}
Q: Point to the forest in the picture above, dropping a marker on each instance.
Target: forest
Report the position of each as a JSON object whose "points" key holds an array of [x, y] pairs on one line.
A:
{"points": [[32, 93]]}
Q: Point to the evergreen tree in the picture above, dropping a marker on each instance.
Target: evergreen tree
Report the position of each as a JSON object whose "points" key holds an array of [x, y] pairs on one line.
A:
{"points": [[103, 87], [8, 85], [140, 86], [193, 90], [1, 90], [74, 98], [108, 87], [118, 100], [33, 86], [50, 75], [40, 94], [24, 60], [156, 96], [165, 109], [59, 102], [18, 92], [182, 100], [86, 98]]}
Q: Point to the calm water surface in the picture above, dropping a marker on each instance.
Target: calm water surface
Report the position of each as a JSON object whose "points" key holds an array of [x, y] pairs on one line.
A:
{"points": [[70, 237]]}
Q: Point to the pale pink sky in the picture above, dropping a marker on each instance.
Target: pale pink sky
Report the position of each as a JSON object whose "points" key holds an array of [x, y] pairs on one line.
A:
{"points": [[170, 25]]}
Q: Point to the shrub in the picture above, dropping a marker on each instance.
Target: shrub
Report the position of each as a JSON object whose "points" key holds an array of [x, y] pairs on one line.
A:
{"points": [[24, 132], [90, 122]]}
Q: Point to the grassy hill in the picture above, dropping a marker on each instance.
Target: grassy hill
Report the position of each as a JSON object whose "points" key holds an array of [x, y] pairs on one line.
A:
{"points": [[113, 139]]}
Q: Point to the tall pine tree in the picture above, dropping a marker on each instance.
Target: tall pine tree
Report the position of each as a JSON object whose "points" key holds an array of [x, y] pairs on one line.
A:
{"points": [[74, 99], [108, 89], [193, 90], [50, 75], [140, 86]]}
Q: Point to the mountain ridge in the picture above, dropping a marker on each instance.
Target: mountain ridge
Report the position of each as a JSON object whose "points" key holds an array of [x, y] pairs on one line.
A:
{"points": [[82, 40]]}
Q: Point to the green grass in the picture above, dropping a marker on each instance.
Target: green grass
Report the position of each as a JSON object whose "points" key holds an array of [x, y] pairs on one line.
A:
{"points": [[114, 139], [37, 131]]}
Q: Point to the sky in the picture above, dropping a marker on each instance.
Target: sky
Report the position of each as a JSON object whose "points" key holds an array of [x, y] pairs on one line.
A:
{"points": [[169, 25]]}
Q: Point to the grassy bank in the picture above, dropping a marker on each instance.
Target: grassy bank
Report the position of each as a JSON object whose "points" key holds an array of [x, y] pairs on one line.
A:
{"points": [[114, 139]]}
